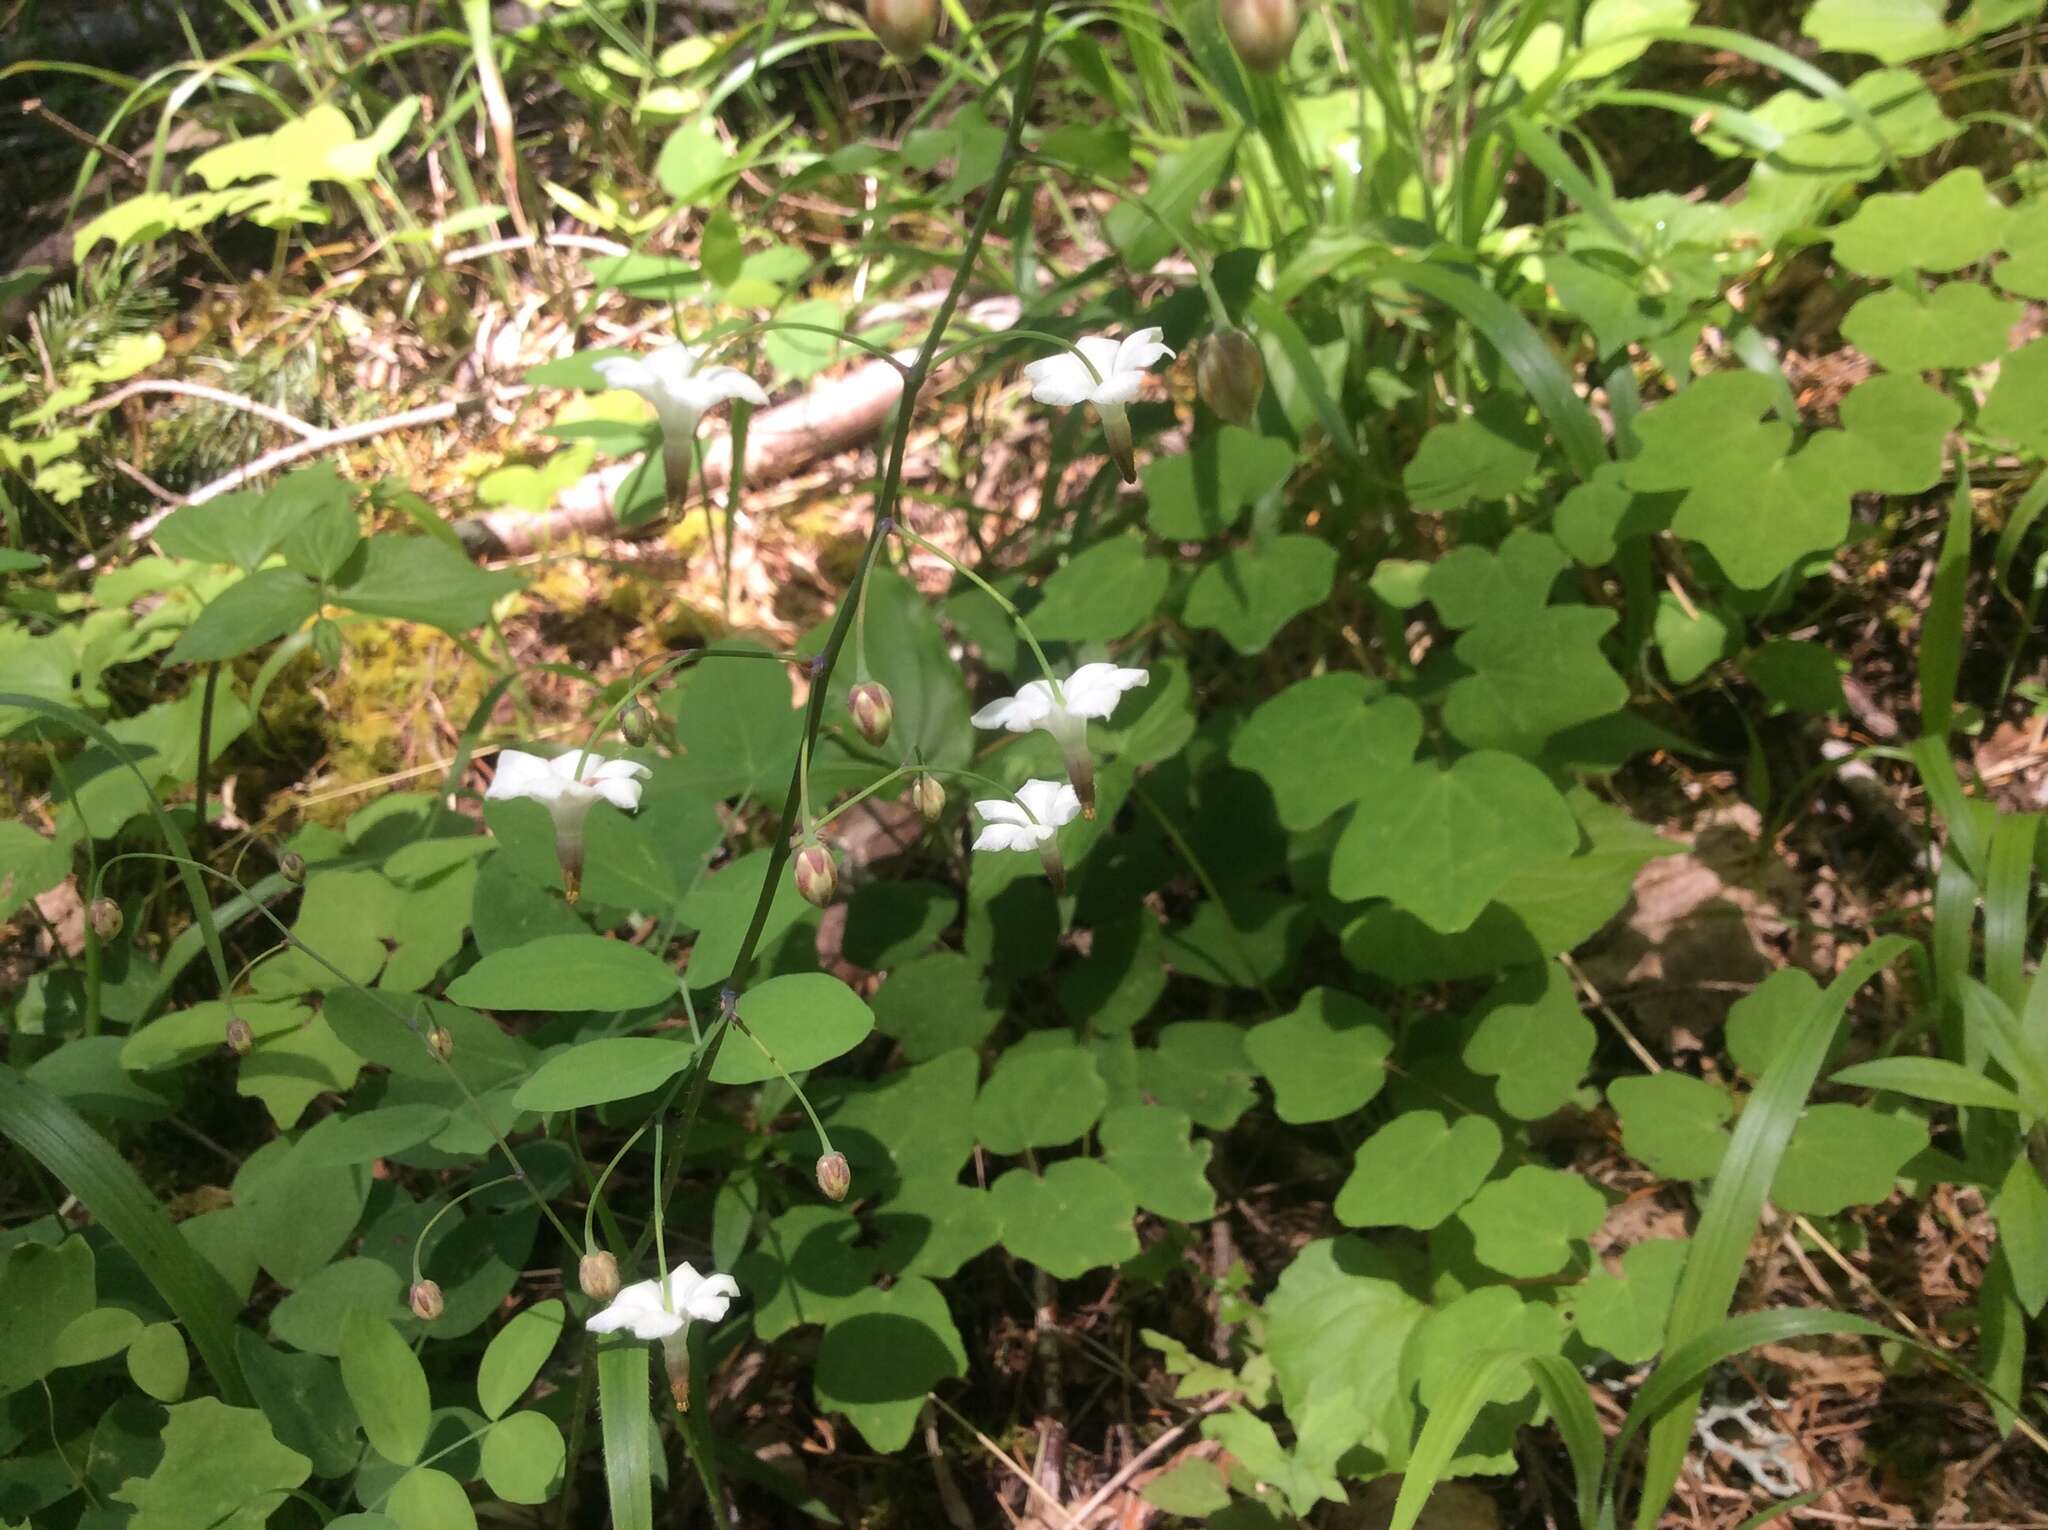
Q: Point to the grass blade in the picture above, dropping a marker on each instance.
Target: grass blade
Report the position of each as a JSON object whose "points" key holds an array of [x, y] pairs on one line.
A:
{"points": [[1941, 637], [628, 1432], [1734, 1204], [1449, 1421], [56, 1136], [1564, 1393]]}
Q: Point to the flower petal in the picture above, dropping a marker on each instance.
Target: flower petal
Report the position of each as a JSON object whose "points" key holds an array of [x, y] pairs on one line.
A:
{"points": [[1002, 810], [628, 372], [1020, 713], [1093, 690], [1060, 381], [1010, 836], [1141, 349], [520, 774], [623, 795], [1052, 804], [730, 383]]}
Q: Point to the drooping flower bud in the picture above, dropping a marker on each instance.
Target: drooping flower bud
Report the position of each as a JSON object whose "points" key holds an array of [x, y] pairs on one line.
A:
{"points": [[441, 1043], [874, 712], [106, 918], [293, 867], [816, 876], [425, 1300], [929, 797], [906, 27], [1230, 375], [598, 1275], [834, 1177], [636, 725], [1262, 31], [240, 1037]]}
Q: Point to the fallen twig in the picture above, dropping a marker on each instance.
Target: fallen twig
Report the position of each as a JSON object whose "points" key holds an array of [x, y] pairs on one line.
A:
{"points": [[220, 396]]}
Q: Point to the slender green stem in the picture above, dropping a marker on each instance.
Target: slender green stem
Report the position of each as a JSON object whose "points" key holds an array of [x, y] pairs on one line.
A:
{"points": [[1003, 601], [453, 1201], [1180, 236]]}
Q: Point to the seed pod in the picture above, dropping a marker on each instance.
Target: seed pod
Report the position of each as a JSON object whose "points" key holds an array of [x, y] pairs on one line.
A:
{"points": [[929, 798], [106, 918], [425, 1299], [1262, 31], [240, 1037], [874, 712], [293, 865], [816, 876], [598, 1275], [441, 1043], [906, 27], [834, 1177], [1230, 374]]}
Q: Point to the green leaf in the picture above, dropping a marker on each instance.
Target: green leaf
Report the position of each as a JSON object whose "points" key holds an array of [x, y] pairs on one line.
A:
{"points": [[1672, 1122], [1800, 677], [1473, 582], [159, 1363], [1199, 1066], [933, 1226], [721, 907], [327, 532], [245, 527], [427, 1498], [693, 160], [735, 729], [1039, 1097], [1759, 524], [799, 1020], [1441, 843], [1073, 1219], [1534, 1041], [622, 1408], [919, 1121], [936, 1003], [1205, 490], [566, 972], [1533, 676], [306, 1404], [802, 354], [1897, 30], [611, 1068], [1482, 457], [288, 1071], [420, 579], [1597, 516], [30, 863], [1177, 182], [386, 1384], [806, 1268], [1953, 223], [1325, 1058], [1417, 1169], [877, 1362], [1193, 1489], [43, 1290], [1249, 593], [371, 1134], [1931, 1078], [1319, 744], [1842, 1156], [1102, 594], [2017, 409], [1691, 639], [295, 1215], [1525, 1225], [221, 1467], [1625, 1314], [94, 1336], [266, 605], [312, 1317], [523, 1456], [1957, 324], [891, 923], [1148, 1147], [2021, 1212]]}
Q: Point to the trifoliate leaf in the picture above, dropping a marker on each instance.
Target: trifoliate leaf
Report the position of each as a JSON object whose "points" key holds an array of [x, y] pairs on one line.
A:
{"points": [[1534, 1040], [1525, 1225], [1513, 582], [1325, 1058], [1842, 1156], [1673, 1123], [1625, 1314], [1149, 1149], [1958, 324], [1953, 223], [1074, 1219], [1417, 1169]]}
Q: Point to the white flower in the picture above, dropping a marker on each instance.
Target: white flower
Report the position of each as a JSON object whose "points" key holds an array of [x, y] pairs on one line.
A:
{"points": [[566, 791], [1093, 690], [1119, 369], [678, 386], [1029, 820], [640, 1310]]}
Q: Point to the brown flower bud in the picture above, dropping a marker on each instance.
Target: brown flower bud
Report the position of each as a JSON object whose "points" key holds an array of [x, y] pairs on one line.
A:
{"points": [[1230, 374], [598, 1275], [929, 798], [293, 865], [425, 1298], [240, 1037], [441, 1043], [816, 877], [106, 918], [1262, 31], [906, 27], [873, 711], [834, 1177]]}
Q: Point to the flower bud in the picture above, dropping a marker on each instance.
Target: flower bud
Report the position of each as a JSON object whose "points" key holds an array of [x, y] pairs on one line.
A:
{"points": [[240, 1037], [293, 866], [816, 877], [425, 1298], [834, 1177], [906, 27], [1262, 31], [636, 725], [441, 1043], [873, 711], [598, 1275], [929, 798], [1230, 374], [106, 918]]}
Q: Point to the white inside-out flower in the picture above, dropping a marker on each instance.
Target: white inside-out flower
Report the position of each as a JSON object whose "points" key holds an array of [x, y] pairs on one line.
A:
{"points": [[682, 390], [568, 786], [1029, 820], [1092, 691], [692, 1298], [1119, 369]]}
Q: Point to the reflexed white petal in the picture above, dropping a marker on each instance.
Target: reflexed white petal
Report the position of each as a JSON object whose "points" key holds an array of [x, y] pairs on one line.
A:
{"points": [[1101, 352], [601, 769], [1052, 804], [1118, 389], [621, 794], [1141, 349], [708, 1299], [639, 1311], [1060, 380], [729, 383], [627, 372], [1003, 810], [672, 367], [1010, 836], [1093, 690], [520, 774], [1020, 713]]}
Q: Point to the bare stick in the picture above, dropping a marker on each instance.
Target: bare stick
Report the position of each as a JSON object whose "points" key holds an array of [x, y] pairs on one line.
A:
{"points": [[220, 396], [1151, 1452]]}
